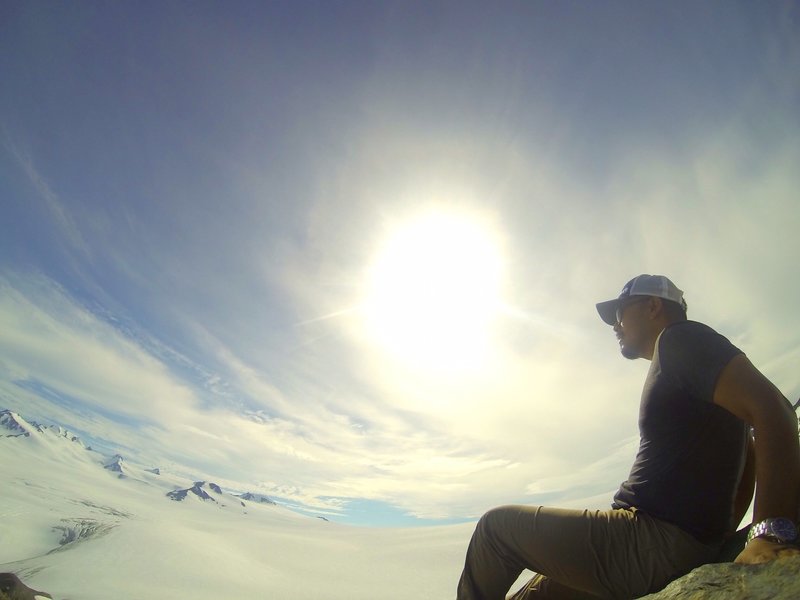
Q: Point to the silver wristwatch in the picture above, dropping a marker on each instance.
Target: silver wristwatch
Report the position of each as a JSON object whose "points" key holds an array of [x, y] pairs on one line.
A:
{"points": [[780, 529]]}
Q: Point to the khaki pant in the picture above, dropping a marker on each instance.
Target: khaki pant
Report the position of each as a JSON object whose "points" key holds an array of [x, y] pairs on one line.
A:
{"points": [[578, 554]]}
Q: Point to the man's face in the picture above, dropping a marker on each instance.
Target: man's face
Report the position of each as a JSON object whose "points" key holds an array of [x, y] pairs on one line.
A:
{"points": [[630, 327]]}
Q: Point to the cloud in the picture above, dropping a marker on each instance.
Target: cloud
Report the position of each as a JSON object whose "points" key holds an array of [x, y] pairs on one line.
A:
{"points": [[57, 210], [49, 339]]}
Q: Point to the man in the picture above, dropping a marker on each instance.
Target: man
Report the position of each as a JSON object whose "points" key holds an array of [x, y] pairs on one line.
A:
{"points": [[679, 503]]}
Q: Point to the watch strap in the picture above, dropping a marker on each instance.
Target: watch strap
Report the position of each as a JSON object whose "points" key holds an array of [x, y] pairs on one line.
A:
{"points": [[766, 529]]}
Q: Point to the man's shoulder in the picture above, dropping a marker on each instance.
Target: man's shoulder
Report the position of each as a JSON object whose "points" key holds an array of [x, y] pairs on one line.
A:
{"points": [[688, 331], [687, 342]]}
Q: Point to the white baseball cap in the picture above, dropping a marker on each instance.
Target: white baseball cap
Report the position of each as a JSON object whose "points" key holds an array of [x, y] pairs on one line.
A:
{"points": [[643, 285]]}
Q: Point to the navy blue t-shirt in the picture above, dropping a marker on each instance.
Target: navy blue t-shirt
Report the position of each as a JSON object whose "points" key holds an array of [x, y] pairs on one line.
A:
{"points": [[691, 451]]}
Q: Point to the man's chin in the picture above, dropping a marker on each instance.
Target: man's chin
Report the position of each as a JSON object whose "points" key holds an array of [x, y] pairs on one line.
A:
{"points": [[629, 352]]}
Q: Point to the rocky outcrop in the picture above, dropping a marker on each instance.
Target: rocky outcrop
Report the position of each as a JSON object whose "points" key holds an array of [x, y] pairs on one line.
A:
{"points": [[13, 589], [114, 464], [197, 490], [776, 580], [12, 425], [250, 497]]}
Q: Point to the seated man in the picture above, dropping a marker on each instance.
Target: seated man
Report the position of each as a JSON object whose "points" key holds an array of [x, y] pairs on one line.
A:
{"points": [[679, 503]]}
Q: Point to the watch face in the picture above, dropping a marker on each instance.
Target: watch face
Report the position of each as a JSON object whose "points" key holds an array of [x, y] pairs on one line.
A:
{"points": [[783, 529]]}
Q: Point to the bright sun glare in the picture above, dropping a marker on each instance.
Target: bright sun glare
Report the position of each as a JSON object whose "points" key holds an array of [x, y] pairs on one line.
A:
{"points": [[433, 291]]}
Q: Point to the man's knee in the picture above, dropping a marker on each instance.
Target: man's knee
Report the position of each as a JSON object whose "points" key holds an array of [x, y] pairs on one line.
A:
{"points": [[495, 518], [501, 524]]}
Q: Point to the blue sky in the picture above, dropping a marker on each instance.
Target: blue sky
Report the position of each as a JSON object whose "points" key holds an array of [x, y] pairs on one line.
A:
{"points": [[206, 208]]}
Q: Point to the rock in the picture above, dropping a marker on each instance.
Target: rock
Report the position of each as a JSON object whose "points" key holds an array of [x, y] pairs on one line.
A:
{"points": [[250, 497], [115, 465], [197, 490], [776, 580], [13, 589]]}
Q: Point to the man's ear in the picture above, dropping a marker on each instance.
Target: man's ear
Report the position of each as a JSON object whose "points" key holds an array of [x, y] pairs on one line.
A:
{"points": [[655, 307]]}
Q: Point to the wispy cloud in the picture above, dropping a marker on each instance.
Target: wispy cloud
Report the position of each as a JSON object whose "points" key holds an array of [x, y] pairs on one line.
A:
{"points": [[56, 208], [50, 339]]}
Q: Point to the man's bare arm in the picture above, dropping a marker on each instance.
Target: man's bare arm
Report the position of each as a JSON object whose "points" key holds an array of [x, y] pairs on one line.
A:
{"points": [[747, 484], [746, 393]]}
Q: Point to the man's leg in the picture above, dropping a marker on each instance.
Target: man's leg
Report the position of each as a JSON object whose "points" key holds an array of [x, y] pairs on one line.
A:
{"points": [[509, 539], [545, 587], [606, 554]]}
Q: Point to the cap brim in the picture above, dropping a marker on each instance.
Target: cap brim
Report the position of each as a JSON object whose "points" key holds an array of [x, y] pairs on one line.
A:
{"points": [[608, 311]]}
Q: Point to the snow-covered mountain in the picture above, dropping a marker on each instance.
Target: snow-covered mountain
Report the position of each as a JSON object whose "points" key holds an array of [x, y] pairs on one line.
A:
{"points": [[13, 425], [114, 464], [204, 491], [70, 525], [250, 497]]}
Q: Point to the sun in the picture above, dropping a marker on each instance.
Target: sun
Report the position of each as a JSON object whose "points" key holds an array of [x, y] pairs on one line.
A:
{"points": [[434, 290]]}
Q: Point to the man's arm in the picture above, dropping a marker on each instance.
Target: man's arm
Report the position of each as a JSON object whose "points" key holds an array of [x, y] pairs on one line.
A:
{"points": [[745, 392], [744, 495]]}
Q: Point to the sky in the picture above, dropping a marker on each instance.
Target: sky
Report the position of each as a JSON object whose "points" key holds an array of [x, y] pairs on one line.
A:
{"points": [[346, 254]]}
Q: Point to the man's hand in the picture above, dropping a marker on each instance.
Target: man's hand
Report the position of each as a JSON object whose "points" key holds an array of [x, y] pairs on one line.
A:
{"points": [[760, 551]]}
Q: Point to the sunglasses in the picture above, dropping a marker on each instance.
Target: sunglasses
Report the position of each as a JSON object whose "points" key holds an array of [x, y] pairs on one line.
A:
{"points": [[621, 308]]}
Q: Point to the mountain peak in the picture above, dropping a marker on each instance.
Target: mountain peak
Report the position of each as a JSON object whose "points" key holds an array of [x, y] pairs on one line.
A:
{"points": [[250, 497], [12, 425], [197, 489], [65, 433], [115, 464]]}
